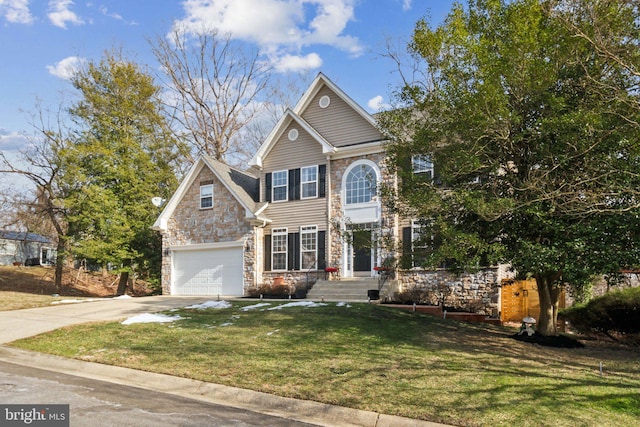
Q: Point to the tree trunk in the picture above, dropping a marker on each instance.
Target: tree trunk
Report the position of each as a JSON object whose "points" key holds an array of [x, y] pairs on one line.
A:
{"points": [[60, 257], [549, 292], [124, 278], [122, 284]]}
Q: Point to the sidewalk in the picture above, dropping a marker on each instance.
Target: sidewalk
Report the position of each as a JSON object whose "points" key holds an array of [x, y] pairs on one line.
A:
{"points": [[24, 323]]}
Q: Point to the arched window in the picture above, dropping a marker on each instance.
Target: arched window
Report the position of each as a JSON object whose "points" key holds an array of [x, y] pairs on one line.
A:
{"points": [[361, 184]]}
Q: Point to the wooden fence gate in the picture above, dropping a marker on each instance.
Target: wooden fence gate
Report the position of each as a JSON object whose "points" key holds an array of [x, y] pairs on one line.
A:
{"points": [[520, 299]]}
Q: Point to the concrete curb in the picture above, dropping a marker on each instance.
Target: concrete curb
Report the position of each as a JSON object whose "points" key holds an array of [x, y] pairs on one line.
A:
{"points": [[299, 410]]}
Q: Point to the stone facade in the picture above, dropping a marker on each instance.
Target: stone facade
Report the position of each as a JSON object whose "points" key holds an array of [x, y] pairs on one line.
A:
{"points": [[477, 292], [224, 222], [388, 222]]}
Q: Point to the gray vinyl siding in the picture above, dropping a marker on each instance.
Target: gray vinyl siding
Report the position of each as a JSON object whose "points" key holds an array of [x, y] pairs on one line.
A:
{"points": [[295, 214], [304, 151], [285, 154], [339, 123]]}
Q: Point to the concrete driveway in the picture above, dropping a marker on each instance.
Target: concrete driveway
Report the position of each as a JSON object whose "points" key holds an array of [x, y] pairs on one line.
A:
{"points": [[17, 324]]}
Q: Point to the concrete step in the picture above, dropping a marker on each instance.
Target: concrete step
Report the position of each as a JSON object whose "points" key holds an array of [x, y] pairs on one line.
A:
{"points": [[342, 290]]}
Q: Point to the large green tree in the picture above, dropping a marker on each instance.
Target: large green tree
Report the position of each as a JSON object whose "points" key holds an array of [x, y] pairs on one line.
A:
{"points": [[529, 110], [120, 157]]}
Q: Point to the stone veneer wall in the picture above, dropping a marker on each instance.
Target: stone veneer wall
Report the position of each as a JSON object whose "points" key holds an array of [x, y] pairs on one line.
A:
{"points": [[477, 292], [224, 222], [338, 168]]}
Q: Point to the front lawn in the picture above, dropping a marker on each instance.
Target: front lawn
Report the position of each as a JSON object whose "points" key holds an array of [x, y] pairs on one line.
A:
{"points": [[374, 358]]}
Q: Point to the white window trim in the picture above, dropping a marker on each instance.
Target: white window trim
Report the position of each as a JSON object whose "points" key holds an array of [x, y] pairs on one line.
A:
{"points": [[280, 232], [302, 183], [416, 233], [309, 229], [347, 172], [202, 198], [420, 164], [286, 186]]}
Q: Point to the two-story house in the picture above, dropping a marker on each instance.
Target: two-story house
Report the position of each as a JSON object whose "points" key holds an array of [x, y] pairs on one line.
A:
{"points": [[225, 230], [309, 201]]}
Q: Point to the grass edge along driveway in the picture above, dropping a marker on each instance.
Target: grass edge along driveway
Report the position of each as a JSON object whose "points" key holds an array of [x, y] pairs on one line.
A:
{"points": [[373, 358]]}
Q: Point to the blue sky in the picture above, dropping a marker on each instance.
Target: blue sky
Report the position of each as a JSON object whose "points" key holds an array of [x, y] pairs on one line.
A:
{"points": [[42, 40]]}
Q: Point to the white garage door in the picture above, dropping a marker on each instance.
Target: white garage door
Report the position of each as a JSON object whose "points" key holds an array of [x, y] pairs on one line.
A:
{"points": [[208, 272]]}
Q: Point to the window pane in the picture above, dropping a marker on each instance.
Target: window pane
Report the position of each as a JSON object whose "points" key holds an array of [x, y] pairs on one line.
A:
{"points": [[280, 243], [309, 190], [422, 164], [360, 186], [279, 182], [206, 196], [279, 249], [309, 179], [279, 261], [279, 193], [308, 260], [280, 178]]}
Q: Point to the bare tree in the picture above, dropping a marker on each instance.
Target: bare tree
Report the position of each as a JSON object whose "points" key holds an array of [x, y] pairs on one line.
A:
{"points": [[40, 164], [216, 87]]}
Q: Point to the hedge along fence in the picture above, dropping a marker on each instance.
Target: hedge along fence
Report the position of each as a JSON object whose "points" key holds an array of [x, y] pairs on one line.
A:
{"points": [[617, 311]]}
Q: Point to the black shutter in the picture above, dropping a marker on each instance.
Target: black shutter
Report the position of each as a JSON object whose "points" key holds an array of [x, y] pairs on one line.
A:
{"points": [[406, 168], [293, 251], [267, 252], [294, 184], [322, 180], [406, 260], [322, 256], [267, 187], [437, 176]]}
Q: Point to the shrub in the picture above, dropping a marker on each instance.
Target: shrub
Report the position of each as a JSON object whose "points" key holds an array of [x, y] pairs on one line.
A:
{"points": [[415, 295], [617, 311]]}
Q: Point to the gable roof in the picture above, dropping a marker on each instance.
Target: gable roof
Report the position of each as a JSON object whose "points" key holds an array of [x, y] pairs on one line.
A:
{"points": [[288, 117], [23, 236], [244, 186], [318, 83]]}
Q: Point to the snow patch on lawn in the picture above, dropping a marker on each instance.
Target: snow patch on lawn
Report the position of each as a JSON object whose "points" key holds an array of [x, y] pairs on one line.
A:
{"points": [[151, 318], [211, 304], [298, 304], [255, 306], [343, 304]]}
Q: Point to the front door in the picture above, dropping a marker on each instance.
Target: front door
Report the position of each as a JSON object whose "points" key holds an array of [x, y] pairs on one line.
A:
{"points": [[362, 251]]}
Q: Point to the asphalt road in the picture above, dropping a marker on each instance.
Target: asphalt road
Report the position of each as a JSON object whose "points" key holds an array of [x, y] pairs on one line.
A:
{"points": [[98, 403]]}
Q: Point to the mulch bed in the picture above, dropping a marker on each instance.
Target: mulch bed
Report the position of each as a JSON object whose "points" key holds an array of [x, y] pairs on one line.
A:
{"points": [[559, 341]]}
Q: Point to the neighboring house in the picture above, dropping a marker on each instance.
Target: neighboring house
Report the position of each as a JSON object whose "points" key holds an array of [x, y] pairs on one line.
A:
{"points": [[312, 183], [22, 248]]}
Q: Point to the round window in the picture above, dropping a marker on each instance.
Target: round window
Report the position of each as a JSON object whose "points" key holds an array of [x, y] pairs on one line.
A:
{"points": [[324, 101], [293, 134]]}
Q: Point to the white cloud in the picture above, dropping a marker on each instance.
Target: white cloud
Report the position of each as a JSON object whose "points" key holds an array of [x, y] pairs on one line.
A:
{"points": [[16, 11], [294, 63], [280, 27], [114, 15], [66, 68], [377, 103], [60, 13], [406, 5], [11, 140]]}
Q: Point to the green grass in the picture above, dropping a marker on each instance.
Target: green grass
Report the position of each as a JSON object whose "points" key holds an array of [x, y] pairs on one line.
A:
{"points": [[21, 300], [374, 358]]}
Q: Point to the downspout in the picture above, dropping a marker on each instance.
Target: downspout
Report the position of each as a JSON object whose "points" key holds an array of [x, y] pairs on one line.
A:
{"points": [[328, 194]]}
